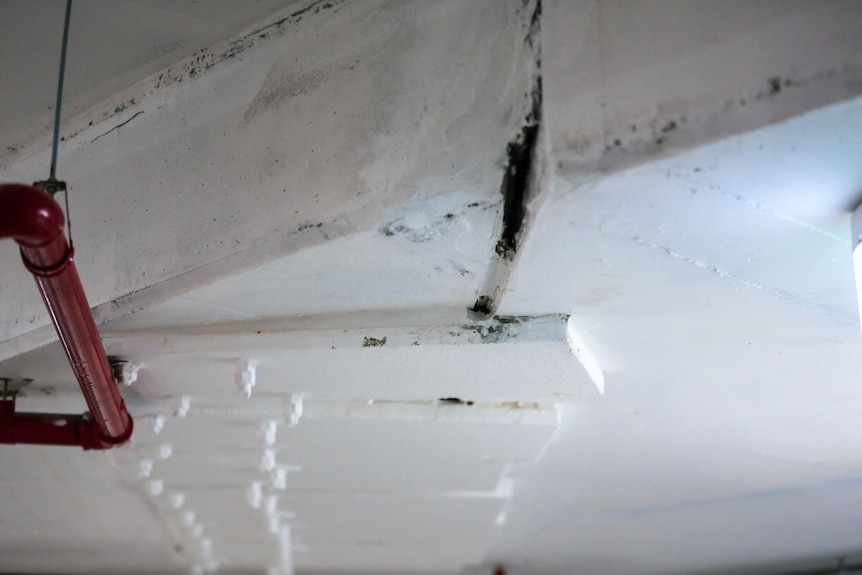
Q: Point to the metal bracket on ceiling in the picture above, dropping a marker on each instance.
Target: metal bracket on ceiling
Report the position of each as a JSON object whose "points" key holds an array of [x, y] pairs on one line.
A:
{"points": [[51, 186]]}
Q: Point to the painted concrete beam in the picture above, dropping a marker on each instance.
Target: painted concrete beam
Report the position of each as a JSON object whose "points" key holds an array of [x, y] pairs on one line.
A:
{"points": [[304, 129], [625, 81]]}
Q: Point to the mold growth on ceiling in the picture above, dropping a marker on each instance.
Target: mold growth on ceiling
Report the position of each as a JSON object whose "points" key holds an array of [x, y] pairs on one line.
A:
{"points": [[521, 153], [519, 176]]}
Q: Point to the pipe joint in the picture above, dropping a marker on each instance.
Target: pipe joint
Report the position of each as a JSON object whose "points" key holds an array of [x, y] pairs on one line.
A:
{"points": [[48, 270]]}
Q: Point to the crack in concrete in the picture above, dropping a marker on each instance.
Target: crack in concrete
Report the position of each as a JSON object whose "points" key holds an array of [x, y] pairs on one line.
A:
{"points": [[763, 208], [822, 311], [117, 127], [786, 217], [703, 265]]}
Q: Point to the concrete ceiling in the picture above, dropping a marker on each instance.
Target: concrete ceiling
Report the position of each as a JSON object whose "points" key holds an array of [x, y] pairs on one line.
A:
{"points": [[112, 45], [310, 197]]}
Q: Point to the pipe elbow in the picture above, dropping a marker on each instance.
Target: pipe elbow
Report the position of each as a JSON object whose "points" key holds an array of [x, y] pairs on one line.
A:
{"points": [[29, 216], [121, 439], [93, 439]]}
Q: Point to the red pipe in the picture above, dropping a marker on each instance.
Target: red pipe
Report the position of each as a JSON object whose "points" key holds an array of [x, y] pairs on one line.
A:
{"points": [[32, 218], [48, 428]]}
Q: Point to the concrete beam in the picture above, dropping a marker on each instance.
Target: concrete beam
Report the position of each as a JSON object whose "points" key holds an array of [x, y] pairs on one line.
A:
{"points": [[629, 80], [304, 129]]}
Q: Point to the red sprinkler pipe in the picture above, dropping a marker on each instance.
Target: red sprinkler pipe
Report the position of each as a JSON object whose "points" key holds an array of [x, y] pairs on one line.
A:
{"points": [[32, 218], [48, 428]]}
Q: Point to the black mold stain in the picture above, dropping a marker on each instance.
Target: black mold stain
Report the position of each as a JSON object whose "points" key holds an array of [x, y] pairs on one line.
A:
{"points": [[520, 155], [454, 401], [308, 226], [483, 306], [205, 59], [514, 189], [774, 85], [315, 8], [373, 342]]}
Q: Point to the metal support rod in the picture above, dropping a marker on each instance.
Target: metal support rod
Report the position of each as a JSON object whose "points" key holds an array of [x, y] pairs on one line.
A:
{"points": [[59, 104]]}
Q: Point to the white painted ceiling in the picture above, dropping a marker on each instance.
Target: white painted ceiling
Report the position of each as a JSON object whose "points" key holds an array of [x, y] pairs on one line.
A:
{"points": [[670, 384]]}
